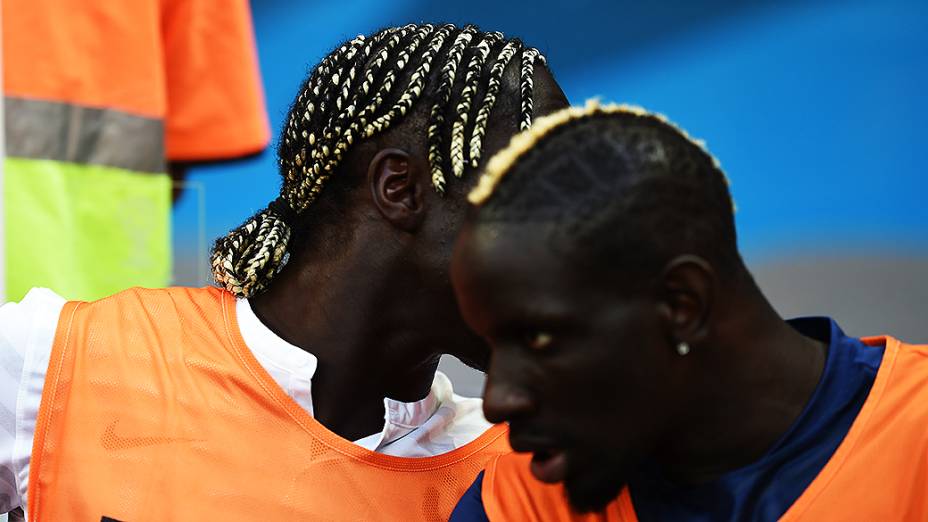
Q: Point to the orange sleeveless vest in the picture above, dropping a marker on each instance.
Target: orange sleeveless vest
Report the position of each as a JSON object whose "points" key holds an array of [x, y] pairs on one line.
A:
{"points": [[879, 472], [154, 409]]}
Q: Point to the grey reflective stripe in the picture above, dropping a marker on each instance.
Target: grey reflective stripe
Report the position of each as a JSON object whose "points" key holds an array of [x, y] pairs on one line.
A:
{"points": [[38, 129]]}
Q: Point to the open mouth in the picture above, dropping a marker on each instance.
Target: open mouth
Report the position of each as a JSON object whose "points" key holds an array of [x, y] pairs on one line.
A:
{"points": [[549, 465]]}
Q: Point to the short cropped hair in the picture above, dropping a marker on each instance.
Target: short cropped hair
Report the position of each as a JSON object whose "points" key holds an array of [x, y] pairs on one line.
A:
{"points": [[617, 185]]}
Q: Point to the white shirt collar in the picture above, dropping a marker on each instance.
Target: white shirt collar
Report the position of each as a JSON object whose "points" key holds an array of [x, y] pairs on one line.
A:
{"points": [[261, 340], [293, 369]]}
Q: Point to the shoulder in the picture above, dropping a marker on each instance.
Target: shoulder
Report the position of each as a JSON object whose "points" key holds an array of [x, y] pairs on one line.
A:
{"points": [[912, 374], [505, 490], [470, 507], [36, 300], [900, 393], [909, 370], [177, 294], [19, 321], [160, 304], [510, 492], [919, 351], [140, 320], [27, 329]]}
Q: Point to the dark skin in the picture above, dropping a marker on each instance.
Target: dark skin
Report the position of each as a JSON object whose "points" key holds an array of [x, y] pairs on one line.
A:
{"points": [[376, 305], [585, 369]]}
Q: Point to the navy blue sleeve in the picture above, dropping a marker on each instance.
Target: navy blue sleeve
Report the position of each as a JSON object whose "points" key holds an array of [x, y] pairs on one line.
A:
{"points": [[470, 507]]}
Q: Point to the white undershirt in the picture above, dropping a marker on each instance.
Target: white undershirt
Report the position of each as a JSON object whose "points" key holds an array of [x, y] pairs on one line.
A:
{"points": [[437, 424]]}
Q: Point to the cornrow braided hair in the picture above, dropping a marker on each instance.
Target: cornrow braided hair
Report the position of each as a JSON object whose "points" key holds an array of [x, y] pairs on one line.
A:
{"points": [[471, 80], [364, 87], [493, 86], [443, 93]]}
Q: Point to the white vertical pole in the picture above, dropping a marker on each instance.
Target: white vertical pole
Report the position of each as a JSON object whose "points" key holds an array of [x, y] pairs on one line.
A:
{"points": [[2, 163], [3, 518]]}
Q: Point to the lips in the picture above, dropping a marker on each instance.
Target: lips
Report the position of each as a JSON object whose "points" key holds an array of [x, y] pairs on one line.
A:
{"points": [[549, 460], [549, 465]]}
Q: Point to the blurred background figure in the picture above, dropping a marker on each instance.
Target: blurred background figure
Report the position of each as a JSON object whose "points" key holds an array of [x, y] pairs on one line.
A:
{"points": [[101, 100], [815, 107]]}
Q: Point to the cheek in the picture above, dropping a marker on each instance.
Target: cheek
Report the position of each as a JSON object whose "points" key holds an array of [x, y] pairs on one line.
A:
{"points": [[577, 390], [612, 416], [611, 382]]}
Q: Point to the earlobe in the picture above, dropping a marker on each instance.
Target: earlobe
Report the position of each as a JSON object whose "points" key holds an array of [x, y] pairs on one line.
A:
{"points": [[688, 294], [395, 189]]}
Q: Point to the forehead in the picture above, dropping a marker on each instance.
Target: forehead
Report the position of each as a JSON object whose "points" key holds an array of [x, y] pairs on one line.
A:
{"points": [[505, 252], [504, 269]]}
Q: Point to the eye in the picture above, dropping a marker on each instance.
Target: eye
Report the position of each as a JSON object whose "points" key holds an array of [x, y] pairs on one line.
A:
{"points": [[538, 340]]}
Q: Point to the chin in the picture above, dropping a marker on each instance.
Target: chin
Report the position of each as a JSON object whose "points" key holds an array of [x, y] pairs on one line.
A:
{"points": [[592, 483]]}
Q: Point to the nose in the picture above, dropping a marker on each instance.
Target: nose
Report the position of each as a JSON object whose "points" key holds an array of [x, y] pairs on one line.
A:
{"points": [[504, 400]]}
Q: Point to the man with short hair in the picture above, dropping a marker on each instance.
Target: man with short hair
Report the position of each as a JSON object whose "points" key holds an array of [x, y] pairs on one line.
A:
{"points": [[635, 358], [304, 388]]}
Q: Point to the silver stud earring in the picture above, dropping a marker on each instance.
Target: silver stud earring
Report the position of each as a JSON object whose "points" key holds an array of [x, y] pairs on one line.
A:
{"points": [[683, 348]]}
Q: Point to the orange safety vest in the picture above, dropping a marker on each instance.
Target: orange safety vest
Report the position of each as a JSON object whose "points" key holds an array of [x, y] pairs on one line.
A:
{"points": [[879, 472], [154, 409]]}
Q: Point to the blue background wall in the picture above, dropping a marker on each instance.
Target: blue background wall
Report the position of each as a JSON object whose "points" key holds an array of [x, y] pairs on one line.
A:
{"points": [[815, 109]]}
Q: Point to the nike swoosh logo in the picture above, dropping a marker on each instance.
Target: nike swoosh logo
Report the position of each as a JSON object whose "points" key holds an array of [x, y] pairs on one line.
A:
{"points": [[112, 442]]}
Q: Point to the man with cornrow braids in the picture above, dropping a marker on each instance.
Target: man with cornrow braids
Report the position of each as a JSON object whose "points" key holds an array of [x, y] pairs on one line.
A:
{"points": [[643, 374], [306, 387]]}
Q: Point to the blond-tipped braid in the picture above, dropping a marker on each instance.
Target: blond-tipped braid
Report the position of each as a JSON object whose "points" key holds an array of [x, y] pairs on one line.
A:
{"points": [[314, 178], [415, 87], [335, 138], [442, 95], [471, 81], [247, 259], [364, 87], [401, 61], [327, 92], [489, 100], [383, 122], [343, 120], [527, 85]]}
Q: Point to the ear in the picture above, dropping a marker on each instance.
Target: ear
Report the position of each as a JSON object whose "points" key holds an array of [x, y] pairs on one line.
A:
{"points": [[687, 295], [396, 189]]}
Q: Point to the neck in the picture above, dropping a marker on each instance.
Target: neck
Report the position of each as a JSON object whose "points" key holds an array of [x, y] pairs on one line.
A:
{"points": [[366, 345], [759, 375]]}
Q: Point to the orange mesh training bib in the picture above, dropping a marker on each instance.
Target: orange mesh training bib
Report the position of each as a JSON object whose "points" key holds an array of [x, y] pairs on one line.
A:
{"points": [[154, 409], [879, 472]]}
